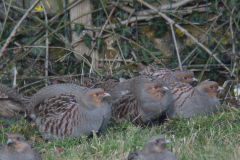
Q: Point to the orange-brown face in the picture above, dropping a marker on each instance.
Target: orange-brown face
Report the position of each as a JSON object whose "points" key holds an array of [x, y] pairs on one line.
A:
{"points": [[212, 89], [185, 78], [156, 90], [15, 142], [97, 97]]}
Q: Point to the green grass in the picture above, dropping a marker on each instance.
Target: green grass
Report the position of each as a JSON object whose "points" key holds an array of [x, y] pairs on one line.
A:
{"points": [[216, 136]]}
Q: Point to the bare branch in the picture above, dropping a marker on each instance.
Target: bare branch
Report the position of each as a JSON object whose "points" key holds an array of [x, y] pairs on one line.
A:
{"points": [[17, 26]]}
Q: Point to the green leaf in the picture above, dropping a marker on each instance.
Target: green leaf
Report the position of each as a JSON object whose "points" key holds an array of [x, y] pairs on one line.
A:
{"points": [[121, 14], [161, 28], [143, 39], [194, 16], [136, 5], [79, 28], [149, 43], [154, 51], [224, 15], [151, 22], [143, 53], [99, 42], [118, 25], [125, 30], [126, 48], [88, 40], [202, 54]]}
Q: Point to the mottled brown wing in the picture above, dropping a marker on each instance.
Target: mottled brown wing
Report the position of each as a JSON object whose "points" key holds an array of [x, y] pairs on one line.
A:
{"points": [[181, 92], [108, 84], [58, 115], [154, 71], [127, 108]]}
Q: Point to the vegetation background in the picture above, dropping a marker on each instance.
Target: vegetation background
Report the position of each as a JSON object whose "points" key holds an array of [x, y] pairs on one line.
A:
{"points": [[48, 42]]}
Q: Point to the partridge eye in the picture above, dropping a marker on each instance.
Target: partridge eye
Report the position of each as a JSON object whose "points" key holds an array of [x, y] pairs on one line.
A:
{"points": [[157, 141], [155, 87], [18, 138], [97, 94], [211, 87], [185, 77]]}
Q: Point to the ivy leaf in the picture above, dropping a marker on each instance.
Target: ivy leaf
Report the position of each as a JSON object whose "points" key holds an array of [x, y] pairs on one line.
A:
{"points": [[161, 27], [194, 16], [151, 22], [121, 14], [88, 40], [79, 28], [149, 43], [99, 42], [154, 51], [202, 54], [125, 31], [126, 48], [118, 25], [224, 15], [136, 5], [143, 39], [143, 53]]}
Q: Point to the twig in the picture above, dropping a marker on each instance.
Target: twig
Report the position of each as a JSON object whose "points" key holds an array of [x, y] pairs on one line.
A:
{"points": [[106, 22], [170, 21], [176, 47], [47, 44], [68, 8], [152, 12], [50, 71], [114, 33], [215, 30], [233, 43], [130, 17], [16, 27], [11, 18], [5, 20], [202, 39]]}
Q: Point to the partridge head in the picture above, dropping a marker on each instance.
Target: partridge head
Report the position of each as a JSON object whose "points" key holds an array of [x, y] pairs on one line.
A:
{"points": [[190, 101], [155, 149], [68, 110], [17, 148], [139, 100], [167, 75]]}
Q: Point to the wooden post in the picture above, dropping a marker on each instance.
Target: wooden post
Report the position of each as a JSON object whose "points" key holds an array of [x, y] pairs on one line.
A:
{"points": [[83, 8]]}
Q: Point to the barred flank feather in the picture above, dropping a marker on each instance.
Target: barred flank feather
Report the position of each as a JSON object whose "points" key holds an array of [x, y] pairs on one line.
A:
{"points": [[167, 75], [189, 100], [68, 110]]}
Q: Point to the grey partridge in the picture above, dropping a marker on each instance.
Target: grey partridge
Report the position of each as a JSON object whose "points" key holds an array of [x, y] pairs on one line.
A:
{"points": [[167, 75], [17, 148], [155, 149], [68, 110], [139, 100], [11, 103], [201, 99]]}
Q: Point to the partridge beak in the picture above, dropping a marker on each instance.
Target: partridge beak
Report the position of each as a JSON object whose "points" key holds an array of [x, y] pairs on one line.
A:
{"points": [[220, 88], [165, 88], [9, 140], [106, 95], [195, 79], [167, 141]]}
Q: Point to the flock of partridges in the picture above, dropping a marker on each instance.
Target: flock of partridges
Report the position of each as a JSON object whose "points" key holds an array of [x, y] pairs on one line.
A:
{"points": [[69, 110]]}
